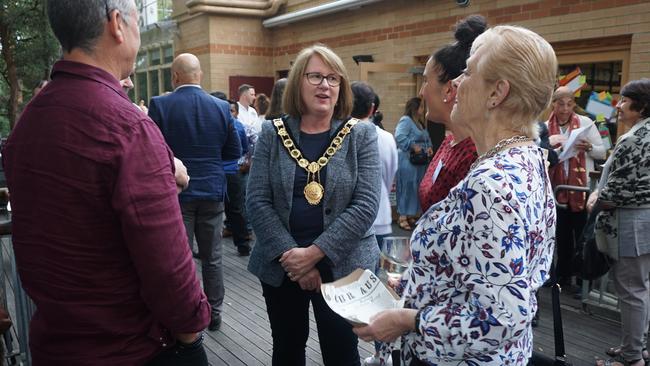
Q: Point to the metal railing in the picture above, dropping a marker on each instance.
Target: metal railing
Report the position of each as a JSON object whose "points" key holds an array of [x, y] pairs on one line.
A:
{"points": [[597, 295], [15, 300]]}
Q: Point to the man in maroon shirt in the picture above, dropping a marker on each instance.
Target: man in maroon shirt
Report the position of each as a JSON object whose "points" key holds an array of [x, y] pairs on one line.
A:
{"points": [[98, 235]]}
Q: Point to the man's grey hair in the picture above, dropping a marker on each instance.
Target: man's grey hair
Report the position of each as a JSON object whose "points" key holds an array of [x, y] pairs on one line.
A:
{"points": [[79, 23]]}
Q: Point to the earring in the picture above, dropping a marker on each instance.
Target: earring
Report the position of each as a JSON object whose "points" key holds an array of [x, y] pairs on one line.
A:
{"points": [[444, 100]]}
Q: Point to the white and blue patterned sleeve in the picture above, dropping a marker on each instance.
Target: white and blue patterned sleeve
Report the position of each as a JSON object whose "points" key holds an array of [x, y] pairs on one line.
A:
{"points": [[482, 295]]}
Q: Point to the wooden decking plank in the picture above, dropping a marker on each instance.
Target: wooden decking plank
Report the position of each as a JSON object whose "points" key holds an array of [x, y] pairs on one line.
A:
{"points": [[249, 282], [245, 337], [218, 355], [585, 336], [245, 314], [239, 345]]}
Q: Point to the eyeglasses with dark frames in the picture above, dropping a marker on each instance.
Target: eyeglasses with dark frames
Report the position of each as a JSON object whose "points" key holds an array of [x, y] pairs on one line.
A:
{"points": [[316, 78]]}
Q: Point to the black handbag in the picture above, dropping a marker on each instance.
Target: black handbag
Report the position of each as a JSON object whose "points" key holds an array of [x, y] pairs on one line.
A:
{"points": [[419, 158], [592, 263]]}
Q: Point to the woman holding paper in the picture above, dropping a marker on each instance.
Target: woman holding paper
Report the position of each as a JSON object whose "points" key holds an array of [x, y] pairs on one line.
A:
{"points": [[482, 252], [573, 171], [624, 194], [312, 198]]}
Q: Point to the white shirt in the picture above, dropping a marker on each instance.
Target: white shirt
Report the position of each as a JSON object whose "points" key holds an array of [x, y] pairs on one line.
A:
{"points": [[388, 163], [598, 148], [188, 86], [248, 117]]}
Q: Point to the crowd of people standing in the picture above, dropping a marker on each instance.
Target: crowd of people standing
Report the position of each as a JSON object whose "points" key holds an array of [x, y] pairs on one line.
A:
{"points": [[109, 200]]}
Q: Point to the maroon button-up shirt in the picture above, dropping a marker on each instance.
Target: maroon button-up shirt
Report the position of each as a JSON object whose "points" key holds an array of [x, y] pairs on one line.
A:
{"points": [[97, 229]]}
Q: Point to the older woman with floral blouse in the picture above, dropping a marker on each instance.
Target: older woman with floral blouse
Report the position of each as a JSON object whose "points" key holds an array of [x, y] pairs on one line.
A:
{"points": [[480, 254]]}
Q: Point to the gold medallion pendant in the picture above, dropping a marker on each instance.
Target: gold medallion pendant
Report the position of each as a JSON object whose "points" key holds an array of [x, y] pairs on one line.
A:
{"points": [[313, 192]]}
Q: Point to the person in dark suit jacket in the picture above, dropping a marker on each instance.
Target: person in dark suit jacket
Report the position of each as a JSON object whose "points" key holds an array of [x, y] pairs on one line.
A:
{"points": [[200, 131], [544, 143]]}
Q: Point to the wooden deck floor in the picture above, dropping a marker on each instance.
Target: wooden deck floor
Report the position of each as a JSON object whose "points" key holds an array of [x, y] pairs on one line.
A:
{"points": [[245, 337]]}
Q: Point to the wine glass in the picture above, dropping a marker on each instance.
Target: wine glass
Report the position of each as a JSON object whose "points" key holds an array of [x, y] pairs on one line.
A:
{"points": [[394, 257]]}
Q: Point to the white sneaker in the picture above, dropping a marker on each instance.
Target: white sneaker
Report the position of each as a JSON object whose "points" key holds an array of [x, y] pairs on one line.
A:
{"points": [[375, 361]]}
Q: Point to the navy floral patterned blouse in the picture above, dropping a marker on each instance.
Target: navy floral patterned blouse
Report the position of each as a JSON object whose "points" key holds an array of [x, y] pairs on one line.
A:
{"points": [[479, 256]]}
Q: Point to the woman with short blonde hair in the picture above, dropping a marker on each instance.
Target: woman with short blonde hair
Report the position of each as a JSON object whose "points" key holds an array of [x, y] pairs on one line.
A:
{"points": [[531, 86], [481, 253]]}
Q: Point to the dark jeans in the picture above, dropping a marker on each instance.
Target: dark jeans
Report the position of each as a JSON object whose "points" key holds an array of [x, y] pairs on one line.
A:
{"points": [[182, 355], [235, 208], [567, 234], [288, 309]]}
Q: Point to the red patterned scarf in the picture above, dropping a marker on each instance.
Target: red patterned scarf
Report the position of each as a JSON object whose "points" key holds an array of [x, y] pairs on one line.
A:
{"points": [[577, 169]]}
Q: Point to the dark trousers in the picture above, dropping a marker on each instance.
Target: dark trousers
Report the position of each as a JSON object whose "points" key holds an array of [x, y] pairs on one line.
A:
{"points": [[288, 309], [182, 355], [235, 208], [567, 234], [204, 220]]}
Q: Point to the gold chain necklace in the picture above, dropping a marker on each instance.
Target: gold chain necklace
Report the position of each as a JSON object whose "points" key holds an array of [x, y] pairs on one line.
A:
{"points": [[498, 147], [313, 190]]}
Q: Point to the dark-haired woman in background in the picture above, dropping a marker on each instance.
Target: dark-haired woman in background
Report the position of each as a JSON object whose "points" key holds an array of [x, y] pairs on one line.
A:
{"points": [[412, 138], [624, 195], [261, 105], [457, 151], [377, 116], [275, 110]]}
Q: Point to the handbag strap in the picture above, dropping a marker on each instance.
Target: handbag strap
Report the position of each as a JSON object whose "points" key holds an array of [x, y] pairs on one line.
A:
{"points": [[558, 332], [557, 322]]}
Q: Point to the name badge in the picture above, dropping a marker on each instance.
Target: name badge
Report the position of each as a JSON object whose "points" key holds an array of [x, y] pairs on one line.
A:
{"points": [[436, 172]]}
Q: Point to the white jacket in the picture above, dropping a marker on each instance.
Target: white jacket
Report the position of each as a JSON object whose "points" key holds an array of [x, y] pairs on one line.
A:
{"points": [[388, 162]]}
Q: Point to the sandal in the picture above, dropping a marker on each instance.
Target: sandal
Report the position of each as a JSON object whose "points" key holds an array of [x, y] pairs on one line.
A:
{"points": [[613, 362], [404, 223], [615, 352]]}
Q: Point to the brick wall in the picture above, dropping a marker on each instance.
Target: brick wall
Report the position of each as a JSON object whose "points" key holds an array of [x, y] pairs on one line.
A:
{"points": [[400, 31]]}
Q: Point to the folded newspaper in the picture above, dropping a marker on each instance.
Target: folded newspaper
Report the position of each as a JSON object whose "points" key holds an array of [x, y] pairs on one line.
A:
{"points": [[569, 150], [359, 295]]}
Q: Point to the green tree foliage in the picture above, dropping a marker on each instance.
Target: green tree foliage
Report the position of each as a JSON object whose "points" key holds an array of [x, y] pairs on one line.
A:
{"points": [[28, 49]]}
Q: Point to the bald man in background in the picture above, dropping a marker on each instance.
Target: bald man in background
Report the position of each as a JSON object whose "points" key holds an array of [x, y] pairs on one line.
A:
{"points": [[200, 131]]}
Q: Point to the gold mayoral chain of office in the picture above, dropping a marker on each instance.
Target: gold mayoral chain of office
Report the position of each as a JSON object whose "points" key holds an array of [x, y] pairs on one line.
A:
{"points": [[313, 190]]}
